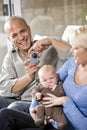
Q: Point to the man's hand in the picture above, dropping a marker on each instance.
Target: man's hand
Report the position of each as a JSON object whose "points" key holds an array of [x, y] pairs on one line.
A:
{"points": [[40, 46], [31, 69]]}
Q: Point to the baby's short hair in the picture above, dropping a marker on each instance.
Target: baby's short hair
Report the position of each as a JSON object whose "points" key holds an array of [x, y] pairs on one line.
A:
{"points": [[47, 68]]}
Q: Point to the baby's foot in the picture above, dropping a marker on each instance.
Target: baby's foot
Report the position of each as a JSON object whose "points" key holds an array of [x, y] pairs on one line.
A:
{"points": [[40, 123], [54, 123]]}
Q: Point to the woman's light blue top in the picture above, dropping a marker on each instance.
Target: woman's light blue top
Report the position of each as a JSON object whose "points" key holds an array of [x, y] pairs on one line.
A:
{"points": [[76, 108]]}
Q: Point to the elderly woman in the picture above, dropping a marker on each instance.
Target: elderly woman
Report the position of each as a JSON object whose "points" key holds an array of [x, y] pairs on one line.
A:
{"points": [[73, 74]]}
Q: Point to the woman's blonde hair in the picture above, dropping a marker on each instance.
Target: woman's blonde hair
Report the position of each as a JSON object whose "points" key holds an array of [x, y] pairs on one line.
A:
{"points": [[79, 37]]}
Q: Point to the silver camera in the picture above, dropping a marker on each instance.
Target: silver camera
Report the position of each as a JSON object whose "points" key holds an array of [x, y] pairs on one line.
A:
{"points": [[34, 57]]}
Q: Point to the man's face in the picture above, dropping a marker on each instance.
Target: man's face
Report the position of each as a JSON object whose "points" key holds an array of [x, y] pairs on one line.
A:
{"points": [[20, 35]]}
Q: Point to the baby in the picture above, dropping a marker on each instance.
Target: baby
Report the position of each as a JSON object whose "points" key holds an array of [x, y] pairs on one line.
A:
{"points": [[48, 84]]}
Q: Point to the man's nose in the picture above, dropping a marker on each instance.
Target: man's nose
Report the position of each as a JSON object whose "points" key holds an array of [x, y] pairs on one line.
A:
{"points": [[20, 36]]}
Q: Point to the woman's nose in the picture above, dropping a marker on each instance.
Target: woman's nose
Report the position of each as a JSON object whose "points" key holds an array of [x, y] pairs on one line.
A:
{"points": [[71, 50]]}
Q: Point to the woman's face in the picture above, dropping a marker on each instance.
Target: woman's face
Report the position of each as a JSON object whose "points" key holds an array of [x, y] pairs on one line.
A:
{"points": [[80, 54]]}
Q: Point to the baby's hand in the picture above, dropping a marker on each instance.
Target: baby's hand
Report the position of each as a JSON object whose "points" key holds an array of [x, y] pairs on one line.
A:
{"points": [[38, 95], [33, 110]]}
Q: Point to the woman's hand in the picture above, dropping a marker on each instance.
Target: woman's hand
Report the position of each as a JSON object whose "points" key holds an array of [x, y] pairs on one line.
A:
{"points": [[53, 100]]}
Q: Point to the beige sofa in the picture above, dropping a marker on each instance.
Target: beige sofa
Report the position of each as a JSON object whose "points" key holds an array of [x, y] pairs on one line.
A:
{"points": [[3, 48]]}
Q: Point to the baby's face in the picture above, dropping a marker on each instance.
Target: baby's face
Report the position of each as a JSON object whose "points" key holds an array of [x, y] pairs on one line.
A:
{"points": [[48, 80]]}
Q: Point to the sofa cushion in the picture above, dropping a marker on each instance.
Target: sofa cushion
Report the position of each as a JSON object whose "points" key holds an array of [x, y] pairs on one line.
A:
{"points": [[3, 48], [62, 57], [49, 56]]}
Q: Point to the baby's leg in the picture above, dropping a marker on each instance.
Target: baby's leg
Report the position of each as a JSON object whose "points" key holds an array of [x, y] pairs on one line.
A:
{"points": [[40, 116], [60, 118], [32, 109]]}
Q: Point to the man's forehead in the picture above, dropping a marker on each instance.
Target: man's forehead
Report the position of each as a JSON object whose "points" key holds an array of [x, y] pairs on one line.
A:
{"points": [[16, 23], [16, 28]]}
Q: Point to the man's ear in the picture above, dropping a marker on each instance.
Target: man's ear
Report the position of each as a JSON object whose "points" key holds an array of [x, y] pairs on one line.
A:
{"points": [[29, 28], [8, 38], [30, 33]]}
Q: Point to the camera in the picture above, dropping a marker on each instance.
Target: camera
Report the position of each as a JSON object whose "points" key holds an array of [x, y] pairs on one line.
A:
{"points": [[34, 57]]}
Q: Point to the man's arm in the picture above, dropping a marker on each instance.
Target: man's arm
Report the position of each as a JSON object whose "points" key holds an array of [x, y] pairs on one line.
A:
{"points": [[21, 83], [59, 44], [14, 77], [43, 44]]}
